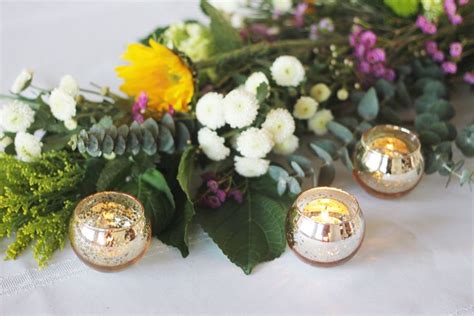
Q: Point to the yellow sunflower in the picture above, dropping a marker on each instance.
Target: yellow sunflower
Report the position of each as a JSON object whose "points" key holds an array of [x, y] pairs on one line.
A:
{"points": [[158, 72]]}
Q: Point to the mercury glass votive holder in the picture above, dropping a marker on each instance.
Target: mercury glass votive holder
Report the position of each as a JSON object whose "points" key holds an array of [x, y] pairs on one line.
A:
{"points": [[109, 231], [388, 162], [325, 226]]}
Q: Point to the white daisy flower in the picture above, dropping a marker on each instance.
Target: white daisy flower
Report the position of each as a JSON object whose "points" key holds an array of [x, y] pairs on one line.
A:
{"points": [[342, 94], [69, 85], [287, 71], [280, 124], [251, 167], [320, 92], [62, 105], [212, 144], [319, 121], [22, 81], [254, 81], [210, 110], [305, 108], [16, 116], [282, 6], [240, 108], [254, 143], [70, 124], [287, 146], [27, 146]]}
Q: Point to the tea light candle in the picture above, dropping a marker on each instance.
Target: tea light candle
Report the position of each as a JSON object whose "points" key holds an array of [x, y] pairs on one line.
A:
{"points": [[109, 231], [388, 161], [325, 226]]}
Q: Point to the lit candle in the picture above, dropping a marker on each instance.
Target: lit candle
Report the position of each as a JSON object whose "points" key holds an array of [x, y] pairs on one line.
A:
{"points": [[326, 211], [390, 146]]}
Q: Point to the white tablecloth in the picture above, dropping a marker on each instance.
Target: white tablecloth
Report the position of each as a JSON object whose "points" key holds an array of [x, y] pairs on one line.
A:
{"points": [[417, 257]]}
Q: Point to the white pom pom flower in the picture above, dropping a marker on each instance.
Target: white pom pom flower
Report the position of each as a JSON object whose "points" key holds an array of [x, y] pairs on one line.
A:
{"points": [[22, 81], [254, 143], [305, 108], [287, 71], [210, 110], [342, 94], [280, 124], [62, 105], [69, 85], [320, 92], [282, 6], [319, 121], [212, 144], [70, 124], [288, 146], [5, 141], [254, 81], [16, 117], [27, 146], [251, 167], [240, 108]]}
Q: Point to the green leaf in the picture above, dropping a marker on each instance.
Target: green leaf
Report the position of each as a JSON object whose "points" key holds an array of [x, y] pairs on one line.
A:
{"points": [[262, 92], [425, 120], [297, 168], [340, 131], [403, 8], [403, 94], [465, 140], [385, 88], [435, 88], [390, 115], [225, 37], [176, 234], [276, 172], [93, 167], [114, 174], [368, 107], [251, 232], [328, 145], [185, 170], [429, 138], [326, 175], [321, 153], [345, 158], [158, 181]]}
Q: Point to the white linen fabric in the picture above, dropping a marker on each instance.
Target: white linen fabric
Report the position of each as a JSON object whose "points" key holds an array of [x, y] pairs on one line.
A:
{"points": [[417, 257]]}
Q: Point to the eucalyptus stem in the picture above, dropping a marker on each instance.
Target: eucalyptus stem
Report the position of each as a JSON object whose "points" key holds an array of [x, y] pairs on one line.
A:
{"points": [[262, 48]]}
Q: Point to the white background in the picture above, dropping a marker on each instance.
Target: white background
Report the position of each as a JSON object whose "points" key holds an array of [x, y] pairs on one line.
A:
{"points": [[417, 257]]}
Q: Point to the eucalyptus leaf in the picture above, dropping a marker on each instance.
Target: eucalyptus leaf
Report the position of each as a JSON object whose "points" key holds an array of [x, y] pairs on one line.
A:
{"points": [[277, 172], [340, 131], [425, 120], [294, 186], [368, 107], [328, 145], [346, 159], [281, 186], [385, 88], [297, 168], [321, 153]]}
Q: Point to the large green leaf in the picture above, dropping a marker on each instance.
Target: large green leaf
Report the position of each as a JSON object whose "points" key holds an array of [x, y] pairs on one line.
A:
{"points": [[403, 8], [225, 37], [251, 232], [185, 170], [158, 181], [114, 173]]}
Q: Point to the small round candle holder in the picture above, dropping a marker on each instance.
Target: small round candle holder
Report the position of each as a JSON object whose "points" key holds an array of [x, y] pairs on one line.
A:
{"points": [[109, 231], [325, 226], [388, 162]]}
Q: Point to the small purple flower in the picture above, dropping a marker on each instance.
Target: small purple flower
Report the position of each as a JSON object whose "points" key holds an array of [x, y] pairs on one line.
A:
{"points": [[425, 26], [212, 185], [449, 7], [326, 24], [431, 47], [313, 32], [363, 67], [376, 55], [353, 40], [237, 195], [455, 49], [368, 38], [438, 56], [299, 14], [449, 67], [455, 19], [378, 70], [221, 195], [463, 2], [359, 51], [469, 77], [211, 201], [389, 75], [139, 107]]}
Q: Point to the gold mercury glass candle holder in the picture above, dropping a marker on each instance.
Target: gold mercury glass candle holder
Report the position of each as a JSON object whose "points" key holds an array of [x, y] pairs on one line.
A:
{"points": [[388, 162], [325, 226], [109, 231]]}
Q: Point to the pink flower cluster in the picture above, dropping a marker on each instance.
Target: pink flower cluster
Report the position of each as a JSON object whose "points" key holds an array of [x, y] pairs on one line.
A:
{"points": [[451, 11], [448, 66], [139, 107], [425, 25], [216, 194], [371, 60]]}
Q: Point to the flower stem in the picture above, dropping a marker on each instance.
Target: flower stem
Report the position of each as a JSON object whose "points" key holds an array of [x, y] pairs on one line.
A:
{"points": [[262, 48]]}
